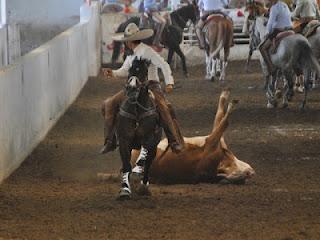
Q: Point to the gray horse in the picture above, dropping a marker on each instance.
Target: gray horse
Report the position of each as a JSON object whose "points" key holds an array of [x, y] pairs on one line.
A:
{"points": [[314, 41], [293, 57]]}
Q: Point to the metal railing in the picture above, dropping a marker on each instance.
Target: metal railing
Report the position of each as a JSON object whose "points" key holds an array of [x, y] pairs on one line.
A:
{"points": [[190, 38]]}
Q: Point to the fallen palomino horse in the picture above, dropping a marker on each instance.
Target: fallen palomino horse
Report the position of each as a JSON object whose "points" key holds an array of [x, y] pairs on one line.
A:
{"points": [[204, 159]]}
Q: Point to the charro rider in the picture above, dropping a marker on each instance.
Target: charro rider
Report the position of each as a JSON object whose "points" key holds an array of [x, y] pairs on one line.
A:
{"points": [[305, 12], [207, 8], [132, 38], [151, 9], [279, 21]]}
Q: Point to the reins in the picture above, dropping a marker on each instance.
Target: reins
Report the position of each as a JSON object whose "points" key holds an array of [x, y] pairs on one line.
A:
{"points": [[149, 111]]}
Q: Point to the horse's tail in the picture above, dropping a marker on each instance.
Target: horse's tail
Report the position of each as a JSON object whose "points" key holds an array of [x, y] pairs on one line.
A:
{"points": [[315, 64], [308, 59], [218, 49]]}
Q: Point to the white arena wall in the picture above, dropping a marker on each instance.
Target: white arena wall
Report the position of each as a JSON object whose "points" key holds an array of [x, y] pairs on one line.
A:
{"points": [[37, 90]]}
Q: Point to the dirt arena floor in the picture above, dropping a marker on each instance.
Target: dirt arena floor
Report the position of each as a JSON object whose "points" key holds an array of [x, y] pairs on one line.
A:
{"points": [[56, 193]]}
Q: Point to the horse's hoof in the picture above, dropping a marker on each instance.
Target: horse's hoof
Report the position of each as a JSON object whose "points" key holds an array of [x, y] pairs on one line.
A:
{"points": [[212, 79], [218, 74], [285, 105], [222, 79], [278, 94], [124, 195], [135, 180], [143, 190], [270, 105], [301, 107], [208, 77]]}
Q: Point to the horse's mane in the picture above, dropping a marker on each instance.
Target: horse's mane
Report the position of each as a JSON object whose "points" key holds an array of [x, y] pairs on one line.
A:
{"points": [[184, 11]]}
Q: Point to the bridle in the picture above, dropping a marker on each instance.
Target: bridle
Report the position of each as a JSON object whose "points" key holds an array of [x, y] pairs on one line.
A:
{"points": [[132, 99]]}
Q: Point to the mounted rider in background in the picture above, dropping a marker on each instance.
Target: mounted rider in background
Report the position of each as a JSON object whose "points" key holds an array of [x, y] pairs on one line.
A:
{"points": [[207, 8], [151, 11], [305, 12], [279, 21]]}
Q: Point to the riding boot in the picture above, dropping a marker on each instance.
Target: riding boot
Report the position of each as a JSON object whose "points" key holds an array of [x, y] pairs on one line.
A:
{"points": [[200, 34], [110, 108], [168, 123], [264, 50]]}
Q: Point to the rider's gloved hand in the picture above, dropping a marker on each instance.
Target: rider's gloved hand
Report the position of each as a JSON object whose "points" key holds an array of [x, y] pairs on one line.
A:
{"points": [[107, 72], [169, 88]]}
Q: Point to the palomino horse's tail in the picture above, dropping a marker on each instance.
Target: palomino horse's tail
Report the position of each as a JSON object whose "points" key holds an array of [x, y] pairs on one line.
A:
{"points": [[218, 49]]}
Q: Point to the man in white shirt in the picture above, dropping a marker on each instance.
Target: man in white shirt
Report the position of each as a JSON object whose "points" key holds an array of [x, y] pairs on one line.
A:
{"points": [[207, 8], [305, 12], [132, 38], [279, 21]]}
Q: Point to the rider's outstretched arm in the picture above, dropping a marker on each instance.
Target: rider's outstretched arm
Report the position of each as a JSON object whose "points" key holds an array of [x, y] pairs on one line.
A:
{"points": [[124, 70]]}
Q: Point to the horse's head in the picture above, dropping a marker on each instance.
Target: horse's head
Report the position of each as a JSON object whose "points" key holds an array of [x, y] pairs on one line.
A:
{"points": [[190, 12], [138, 73], [196, 12], [255, 8]]}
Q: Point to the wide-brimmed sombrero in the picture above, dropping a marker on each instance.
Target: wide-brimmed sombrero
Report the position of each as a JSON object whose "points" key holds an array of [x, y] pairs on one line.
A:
{"points": [[132, 33]]}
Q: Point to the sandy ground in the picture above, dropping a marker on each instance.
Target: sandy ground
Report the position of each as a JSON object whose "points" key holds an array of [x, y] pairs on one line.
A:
{"points": [[56, 193]]}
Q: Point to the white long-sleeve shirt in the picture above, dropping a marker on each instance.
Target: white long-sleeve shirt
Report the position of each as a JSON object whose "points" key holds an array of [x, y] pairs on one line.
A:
{"points": [[280, 17], [146, 52], [212, 5]]}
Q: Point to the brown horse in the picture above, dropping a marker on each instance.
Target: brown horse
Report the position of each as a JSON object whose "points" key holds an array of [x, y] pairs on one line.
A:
{"points": [[218, 34], [204, 158]]}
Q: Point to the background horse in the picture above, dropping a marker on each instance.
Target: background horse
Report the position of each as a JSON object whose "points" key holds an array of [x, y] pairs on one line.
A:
{"points": [[218, 35], [314, 41], [137, 124], [171, 35], [293, 57]]}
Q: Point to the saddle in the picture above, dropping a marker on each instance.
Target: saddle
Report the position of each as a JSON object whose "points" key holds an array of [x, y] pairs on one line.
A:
{"points": [[280, 36], [216, 16], [311, 28]]}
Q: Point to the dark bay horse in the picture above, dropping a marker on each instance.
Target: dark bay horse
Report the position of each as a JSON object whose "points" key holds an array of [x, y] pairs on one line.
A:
{"points": [[138, 124], [171, 36]]}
